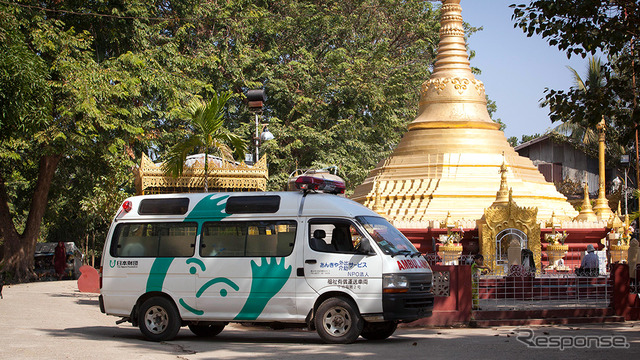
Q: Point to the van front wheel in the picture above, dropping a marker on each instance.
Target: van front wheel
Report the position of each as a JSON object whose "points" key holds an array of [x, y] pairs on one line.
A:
{"points": [[338, 321], [159, 319]]}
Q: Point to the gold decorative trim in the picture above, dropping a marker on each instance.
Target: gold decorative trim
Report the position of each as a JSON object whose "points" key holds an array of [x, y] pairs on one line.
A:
{"points": [[454, 125], [460, 85]]}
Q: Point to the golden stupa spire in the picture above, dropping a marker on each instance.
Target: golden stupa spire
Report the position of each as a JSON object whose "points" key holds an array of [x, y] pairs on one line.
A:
{"points": [[454, 156], [586, 213], [452, 97], [503, 194]]}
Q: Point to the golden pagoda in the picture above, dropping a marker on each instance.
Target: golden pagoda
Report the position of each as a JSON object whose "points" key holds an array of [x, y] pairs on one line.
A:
{"points": [[450, 159]]}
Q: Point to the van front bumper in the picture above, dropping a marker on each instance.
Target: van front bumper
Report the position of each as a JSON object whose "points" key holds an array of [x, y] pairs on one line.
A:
{"points": [[416, 303], [406, 307]]}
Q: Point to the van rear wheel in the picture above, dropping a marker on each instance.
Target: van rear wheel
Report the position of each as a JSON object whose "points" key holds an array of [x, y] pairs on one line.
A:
{"points": [[210, 330], [379, 330], [159, 319], [338, 321]]}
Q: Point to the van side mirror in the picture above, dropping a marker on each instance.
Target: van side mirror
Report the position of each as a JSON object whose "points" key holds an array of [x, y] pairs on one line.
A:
{"points": [[364, 248]]}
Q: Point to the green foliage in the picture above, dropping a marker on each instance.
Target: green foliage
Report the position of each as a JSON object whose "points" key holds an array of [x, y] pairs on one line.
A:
{"points": [[584, 27], [206, 135], [513, 140], [580, 26], [100, 83], [342, 80], [526, 138]]}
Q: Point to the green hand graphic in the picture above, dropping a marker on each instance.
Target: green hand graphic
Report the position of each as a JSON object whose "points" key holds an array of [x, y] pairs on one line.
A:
{"points": [[267, 280]]}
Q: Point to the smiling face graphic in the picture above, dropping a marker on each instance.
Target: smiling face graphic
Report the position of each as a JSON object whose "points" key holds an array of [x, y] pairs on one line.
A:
{"points": [[267, 279], [208, 284]]}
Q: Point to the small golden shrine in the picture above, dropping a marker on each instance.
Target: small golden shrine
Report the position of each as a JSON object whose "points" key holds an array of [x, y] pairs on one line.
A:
{"points": [[503, 222], [223, 176]]}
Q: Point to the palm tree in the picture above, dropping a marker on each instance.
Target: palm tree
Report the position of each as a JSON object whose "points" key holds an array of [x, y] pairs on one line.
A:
{"points": [[208, 136], [595, 80]]}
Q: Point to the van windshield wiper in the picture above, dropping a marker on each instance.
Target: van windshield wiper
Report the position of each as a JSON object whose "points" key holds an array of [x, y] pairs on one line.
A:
{"points": [[402, 252], [417, 253]]}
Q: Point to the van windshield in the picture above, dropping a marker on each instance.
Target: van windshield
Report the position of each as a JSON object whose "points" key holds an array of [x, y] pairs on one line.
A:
{"points": [[389, 239]]}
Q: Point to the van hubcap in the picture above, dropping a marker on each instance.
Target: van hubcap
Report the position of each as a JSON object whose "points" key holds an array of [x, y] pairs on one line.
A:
{"points": [[156, 319], [337, 321]]}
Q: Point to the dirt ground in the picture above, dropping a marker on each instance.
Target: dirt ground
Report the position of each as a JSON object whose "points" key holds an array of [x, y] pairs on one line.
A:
{"points": [[52, 320]]}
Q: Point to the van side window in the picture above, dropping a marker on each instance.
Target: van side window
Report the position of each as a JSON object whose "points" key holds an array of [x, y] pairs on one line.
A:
{"points": [[337, 236], [247, 238], [154, 239]]}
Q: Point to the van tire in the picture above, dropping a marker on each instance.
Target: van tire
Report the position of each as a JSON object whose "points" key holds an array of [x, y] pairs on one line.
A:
{"points": [[379, 330], [338, 321], [210, 330], [159, 319]]}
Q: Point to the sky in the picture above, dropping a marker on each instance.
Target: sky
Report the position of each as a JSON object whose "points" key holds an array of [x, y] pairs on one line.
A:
{"points": [[516, 69]]}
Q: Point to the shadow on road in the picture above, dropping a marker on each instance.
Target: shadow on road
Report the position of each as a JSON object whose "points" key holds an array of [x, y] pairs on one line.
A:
{"points": [[240, 342], [236, 340]]}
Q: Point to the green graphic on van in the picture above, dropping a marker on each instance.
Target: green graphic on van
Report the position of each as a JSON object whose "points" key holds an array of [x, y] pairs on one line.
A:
{"points": [[193, 269], [158, 273], [186, 306], [223, 292], [210, 207], [266, 280]]}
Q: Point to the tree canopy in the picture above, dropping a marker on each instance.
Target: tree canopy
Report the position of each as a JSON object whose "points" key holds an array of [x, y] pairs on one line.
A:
{"points": [[583, 27], [87, 87]]}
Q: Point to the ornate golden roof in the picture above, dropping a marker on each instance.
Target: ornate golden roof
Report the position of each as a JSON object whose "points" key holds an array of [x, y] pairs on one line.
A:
{"points": [[223, 176], [450, 160]]}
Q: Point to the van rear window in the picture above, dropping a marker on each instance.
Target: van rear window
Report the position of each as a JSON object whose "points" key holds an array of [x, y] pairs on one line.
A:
{"points": [[154, 239], [253, 204], [176, 206]]}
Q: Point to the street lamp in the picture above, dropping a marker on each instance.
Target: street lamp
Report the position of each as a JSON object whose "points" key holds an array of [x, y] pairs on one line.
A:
{"points": [[624, 161], [256, 99]]}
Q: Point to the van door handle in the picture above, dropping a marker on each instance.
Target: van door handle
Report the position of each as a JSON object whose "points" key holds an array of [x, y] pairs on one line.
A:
{"points": [[310, 261]]}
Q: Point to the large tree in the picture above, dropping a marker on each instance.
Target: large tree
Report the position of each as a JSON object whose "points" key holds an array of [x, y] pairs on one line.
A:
{"points": [[87, 87], [582, 27], [75, 90], [341, 79], [55, 118]]}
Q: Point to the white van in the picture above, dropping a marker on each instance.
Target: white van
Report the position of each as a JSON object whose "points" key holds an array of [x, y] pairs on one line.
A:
{"points": [[204, 260]]}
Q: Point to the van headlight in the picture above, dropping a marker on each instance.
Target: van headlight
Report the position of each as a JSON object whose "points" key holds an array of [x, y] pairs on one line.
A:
{"points": [[394, 283]]}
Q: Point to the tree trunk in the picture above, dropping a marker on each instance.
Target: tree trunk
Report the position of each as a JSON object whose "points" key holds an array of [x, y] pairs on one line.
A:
{"points": [[19, 249]]}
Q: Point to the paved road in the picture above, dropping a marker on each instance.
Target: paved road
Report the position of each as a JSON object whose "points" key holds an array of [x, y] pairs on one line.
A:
{"points": [[52, 320]]}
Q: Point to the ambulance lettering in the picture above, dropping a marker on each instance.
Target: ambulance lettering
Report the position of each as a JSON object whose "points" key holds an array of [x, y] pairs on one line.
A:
{"points": [[412, 264]]}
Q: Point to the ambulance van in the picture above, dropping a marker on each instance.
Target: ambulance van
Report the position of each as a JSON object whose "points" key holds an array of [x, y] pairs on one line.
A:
{"points": [[280, 258]]}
